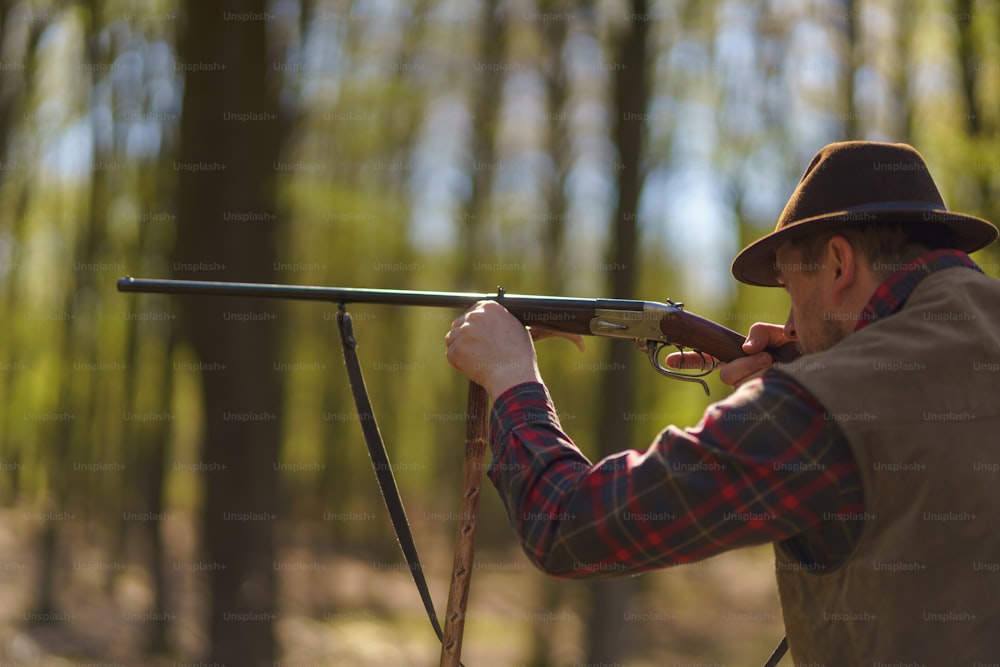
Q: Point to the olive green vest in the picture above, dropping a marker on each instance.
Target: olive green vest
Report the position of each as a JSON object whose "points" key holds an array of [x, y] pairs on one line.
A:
{"points": [[917, 395]]}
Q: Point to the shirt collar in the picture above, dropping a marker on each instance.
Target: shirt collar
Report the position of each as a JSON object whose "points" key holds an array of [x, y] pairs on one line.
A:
{"points": [[890, 296]]}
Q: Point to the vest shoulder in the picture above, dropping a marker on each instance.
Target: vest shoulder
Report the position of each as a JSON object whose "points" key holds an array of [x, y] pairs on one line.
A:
{"points": [[947, 327]]}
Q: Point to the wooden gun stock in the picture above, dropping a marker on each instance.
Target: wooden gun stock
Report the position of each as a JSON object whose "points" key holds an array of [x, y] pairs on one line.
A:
{"points": [[714, 339]]}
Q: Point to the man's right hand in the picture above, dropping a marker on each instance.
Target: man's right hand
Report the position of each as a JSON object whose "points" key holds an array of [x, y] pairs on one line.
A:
{"points": [[734, 373]]}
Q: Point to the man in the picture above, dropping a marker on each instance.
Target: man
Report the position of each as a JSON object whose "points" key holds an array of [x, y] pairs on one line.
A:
{"points": [[870, 462]]}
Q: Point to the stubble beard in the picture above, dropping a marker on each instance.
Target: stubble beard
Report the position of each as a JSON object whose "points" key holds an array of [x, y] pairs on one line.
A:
{"points": [[830, 332]]}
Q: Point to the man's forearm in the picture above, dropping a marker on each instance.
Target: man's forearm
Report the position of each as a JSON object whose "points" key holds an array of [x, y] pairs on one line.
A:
{"points": [[691, 494], [533, 504], [551, 491]]}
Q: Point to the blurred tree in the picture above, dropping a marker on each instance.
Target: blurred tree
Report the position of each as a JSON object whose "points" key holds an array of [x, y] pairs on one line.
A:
{"points": [[558, 146], [486, 96], [606, 639], [556, 250], [849, 67], [977, 63], [20, 30], [230, 157]]}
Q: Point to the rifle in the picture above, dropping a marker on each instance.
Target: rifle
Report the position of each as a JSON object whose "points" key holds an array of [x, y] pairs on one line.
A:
{"points": [[650, 325]]}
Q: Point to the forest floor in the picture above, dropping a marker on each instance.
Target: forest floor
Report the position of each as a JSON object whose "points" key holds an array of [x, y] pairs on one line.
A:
{"points": [[336, 609]]}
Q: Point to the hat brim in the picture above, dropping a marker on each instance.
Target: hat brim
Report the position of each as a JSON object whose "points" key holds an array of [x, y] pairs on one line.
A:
{"points": [[756, 264]]}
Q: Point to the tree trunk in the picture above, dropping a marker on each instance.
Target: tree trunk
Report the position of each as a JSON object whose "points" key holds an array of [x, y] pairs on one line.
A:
{"points": [[852, 128], [606, 640], [228, 166], [560, 150], [485, 110]]}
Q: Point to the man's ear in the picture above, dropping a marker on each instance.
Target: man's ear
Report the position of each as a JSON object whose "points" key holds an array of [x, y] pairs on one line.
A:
{"points": [[843, 262]]}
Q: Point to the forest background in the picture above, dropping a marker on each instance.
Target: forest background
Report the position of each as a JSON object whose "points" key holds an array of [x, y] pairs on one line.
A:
{"points": [[183, 481]]}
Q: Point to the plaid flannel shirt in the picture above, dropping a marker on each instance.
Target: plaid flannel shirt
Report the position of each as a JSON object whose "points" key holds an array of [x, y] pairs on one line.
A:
{"points": [[764, 465]]}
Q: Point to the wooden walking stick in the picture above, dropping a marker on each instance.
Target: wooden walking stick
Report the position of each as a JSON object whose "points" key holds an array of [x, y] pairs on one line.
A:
{"points": [[476, 435]]}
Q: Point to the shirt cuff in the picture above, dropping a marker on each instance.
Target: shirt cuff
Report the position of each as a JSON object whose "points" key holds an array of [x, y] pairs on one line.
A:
{"points": [[522, 404]]}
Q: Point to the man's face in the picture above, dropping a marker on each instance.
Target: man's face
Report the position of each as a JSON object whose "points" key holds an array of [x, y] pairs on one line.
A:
{"points": [[812, 320]]}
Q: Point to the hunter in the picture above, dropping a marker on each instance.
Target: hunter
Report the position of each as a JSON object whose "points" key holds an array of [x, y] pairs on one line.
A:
{"points": [[870, 463]]}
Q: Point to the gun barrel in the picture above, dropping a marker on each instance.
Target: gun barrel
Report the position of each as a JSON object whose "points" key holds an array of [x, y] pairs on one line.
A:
{"points": [[302, 292], [569, 314]]}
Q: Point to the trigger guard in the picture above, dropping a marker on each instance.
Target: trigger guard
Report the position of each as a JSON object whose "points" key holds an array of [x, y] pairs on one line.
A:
{"points": [[653, 350]]}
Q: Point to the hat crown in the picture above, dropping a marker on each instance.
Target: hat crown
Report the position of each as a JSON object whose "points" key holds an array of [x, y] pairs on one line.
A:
{"points": [[861, 182], [855, 176]]}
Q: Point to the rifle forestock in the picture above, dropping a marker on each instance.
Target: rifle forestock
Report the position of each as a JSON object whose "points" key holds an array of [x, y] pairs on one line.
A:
{"points": [[642, 321]]}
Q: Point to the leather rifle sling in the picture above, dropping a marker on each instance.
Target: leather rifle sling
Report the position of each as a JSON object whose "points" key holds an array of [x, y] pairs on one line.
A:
{"points": [[477, 430], [380, 462], [779, 653], [476, 436]]}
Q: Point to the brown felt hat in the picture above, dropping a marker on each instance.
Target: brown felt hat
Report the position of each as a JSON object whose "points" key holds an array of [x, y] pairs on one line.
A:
{"points": [[860, 182]]}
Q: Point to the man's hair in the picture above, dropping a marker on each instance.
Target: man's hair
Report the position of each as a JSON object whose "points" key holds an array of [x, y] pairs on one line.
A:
{"points": [[886, 247]]}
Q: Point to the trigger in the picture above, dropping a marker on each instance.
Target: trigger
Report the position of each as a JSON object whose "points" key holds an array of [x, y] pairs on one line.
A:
{"points": [[653, 350]]}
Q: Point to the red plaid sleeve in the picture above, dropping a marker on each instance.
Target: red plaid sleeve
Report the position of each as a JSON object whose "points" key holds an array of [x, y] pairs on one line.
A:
{"points": [[763, 465]]}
